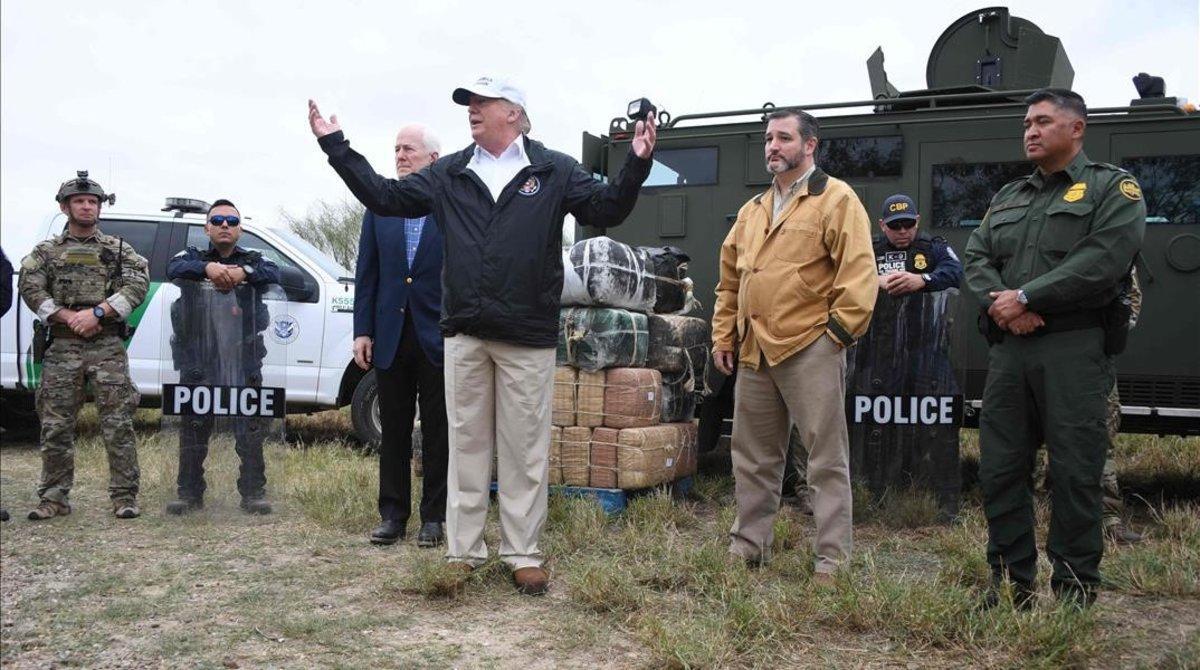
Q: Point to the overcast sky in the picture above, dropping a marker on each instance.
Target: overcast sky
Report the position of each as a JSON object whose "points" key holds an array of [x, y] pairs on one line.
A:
{"points": [[207, 99]]}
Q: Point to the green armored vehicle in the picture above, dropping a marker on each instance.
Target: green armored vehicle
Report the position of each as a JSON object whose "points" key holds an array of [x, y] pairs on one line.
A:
{"points": [[952, 146]]}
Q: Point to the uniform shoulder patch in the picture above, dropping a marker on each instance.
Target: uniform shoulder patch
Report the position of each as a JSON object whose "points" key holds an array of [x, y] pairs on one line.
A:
{"points": [[1130, 189], [30, 262]]}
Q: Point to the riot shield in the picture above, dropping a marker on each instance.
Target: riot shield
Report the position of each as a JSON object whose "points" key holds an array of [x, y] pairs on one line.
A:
{"points": [[903, 403], [224, 384]]}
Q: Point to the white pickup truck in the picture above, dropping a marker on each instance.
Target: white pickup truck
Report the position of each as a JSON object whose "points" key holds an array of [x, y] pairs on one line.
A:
{"points": [[317, 320]]}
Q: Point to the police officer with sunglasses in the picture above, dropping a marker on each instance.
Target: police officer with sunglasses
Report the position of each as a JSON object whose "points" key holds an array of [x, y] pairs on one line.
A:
{"points": [[227, 266], [910, 261]]}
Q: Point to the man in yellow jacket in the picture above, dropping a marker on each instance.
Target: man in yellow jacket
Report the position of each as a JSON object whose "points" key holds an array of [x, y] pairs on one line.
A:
{"points": [[797, 287]]}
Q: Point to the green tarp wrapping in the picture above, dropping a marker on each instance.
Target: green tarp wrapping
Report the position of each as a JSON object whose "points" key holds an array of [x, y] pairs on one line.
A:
{"points": [[595, 338]]}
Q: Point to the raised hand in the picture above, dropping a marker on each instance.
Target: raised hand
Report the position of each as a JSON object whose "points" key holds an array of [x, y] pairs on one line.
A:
{"points": [[644, 135], [321, 127]]}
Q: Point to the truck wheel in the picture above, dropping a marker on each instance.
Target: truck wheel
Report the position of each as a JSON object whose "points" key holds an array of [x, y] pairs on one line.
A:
{"points": [[364, 411]]}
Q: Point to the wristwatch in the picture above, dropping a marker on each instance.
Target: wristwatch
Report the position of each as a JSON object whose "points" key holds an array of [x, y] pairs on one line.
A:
{"points": [[926, 277], [1021, 297], [98, 311]]}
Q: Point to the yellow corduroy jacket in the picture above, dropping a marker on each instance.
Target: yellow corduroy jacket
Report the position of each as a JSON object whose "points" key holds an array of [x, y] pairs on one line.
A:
{"points": [[785, 283]]}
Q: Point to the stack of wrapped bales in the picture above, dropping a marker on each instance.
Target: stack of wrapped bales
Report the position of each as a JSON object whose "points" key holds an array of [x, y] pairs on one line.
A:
{"points": [[625, 388]]}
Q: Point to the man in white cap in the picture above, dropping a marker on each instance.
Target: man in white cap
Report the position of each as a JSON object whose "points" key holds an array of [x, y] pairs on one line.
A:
{"points": [[500, 204]]}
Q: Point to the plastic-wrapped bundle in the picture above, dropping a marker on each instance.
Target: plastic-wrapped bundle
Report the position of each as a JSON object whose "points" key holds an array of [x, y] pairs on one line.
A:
{"points": [[598, 338], [632, 397], [685, 461], [678, 396], [601, 271], [589, 398], [677, 342], [573, 448], [646, 456], [564, 400], [669, 267], [603, 467], [555, 456]]}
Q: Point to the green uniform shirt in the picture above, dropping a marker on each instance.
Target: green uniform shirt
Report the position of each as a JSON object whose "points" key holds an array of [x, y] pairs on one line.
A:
{"points": [[1066, 239]]}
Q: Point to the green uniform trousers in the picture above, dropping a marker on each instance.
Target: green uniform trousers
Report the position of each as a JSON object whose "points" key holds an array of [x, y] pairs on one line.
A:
{"points": [[1051, 388]]}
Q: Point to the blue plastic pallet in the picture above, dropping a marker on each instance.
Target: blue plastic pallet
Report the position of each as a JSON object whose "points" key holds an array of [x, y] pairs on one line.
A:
{"points": [[614, 501]]}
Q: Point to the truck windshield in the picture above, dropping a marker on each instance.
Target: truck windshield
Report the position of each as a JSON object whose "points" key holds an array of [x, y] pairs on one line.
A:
{"points": [[334, 268]]}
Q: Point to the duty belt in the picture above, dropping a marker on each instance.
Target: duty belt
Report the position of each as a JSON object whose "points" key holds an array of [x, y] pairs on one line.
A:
{"points": [[1058, 323], [64, 331]]}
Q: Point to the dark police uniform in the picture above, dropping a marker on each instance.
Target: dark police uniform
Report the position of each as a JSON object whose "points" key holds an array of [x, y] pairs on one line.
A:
{"points": [[1067, 240], [207, 351], [927, 256]]}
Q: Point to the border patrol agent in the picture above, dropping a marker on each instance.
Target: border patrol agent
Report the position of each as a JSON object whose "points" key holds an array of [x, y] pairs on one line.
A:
{"points": [[84, 284], [1048, 262], [907, 260]]}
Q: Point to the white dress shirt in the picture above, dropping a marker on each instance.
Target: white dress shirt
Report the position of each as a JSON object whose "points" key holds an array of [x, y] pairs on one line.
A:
{"points": [[497, 171]]}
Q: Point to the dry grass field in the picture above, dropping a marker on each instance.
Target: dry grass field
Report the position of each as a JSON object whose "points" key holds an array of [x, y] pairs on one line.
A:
{"points": [[650, 588]]}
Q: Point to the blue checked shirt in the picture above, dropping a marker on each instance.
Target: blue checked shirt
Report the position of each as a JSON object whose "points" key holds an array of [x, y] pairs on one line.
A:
{"points": [[412, 237]]}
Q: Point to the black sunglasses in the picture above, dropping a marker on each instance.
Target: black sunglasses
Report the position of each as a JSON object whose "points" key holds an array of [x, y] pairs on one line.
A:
{"points": [[901, 223], [222, 218]]}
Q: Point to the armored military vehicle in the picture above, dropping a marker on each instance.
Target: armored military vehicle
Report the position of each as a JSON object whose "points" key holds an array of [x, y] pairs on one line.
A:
{"points": [[952, 146]]}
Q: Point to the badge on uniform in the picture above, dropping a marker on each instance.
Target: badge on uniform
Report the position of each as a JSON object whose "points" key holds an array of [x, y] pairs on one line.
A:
{"points": [[1130, 189], [1076, 192], [919, 262]]}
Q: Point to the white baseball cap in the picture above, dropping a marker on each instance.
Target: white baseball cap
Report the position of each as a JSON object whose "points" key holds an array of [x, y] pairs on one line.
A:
{"points": [[490, 87]]}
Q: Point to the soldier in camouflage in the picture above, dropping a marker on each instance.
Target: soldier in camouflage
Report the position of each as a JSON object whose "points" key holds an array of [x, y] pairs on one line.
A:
{"points": [[83, 284]]}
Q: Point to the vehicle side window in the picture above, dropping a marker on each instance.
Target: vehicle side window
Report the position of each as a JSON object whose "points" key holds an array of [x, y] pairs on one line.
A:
{"points": [[693, 166], [197, 238], [862, 157], [963, 191], [1170, 185], [138, 234]]}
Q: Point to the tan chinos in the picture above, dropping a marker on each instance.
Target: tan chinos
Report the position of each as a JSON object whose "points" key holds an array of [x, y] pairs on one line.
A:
{"points": [[498, 398], [809, 388]]}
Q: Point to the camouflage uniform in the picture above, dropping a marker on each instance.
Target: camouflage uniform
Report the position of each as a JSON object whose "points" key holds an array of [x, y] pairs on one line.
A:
{"points": [[65, 271]]}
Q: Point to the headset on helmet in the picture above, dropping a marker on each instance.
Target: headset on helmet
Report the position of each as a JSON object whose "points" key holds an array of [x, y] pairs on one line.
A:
{"points": [[81, 185]]}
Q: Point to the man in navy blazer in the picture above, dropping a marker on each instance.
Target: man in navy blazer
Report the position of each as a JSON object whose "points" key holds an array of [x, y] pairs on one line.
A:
{"points": [[397, 305]]}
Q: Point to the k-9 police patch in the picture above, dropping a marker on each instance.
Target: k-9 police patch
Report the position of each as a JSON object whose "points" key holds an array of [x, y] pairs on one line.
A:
{"points": [[531, 186]]}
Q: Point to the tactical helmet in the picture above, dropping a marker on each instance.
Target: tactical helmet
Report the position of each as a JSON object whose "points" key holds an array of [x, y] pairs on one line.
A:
{"points": [[81, 185]]}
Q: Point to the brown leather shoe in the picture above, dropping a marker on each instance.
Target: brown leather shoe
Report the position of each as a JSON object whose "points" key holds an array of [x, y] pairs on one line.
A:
{"points": [[531, 581]]}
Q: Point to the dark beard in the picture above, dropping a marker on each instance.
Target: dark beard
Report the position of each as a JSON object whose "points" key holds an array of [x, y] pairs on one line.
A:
{"points": [[790, 165]]}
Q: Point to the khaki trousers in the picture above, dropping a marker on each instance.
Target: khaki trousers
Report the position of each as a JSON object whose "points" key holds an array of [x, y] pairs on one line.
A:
{"points": [[498, 399], [810, 389]]}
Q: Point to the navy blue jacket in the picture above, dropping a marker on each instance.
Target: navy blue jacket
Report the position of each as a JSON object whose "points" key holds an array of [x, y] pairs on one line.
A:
{"points": [[925, 256], [191, 262], [386, 290], [196, 351], [503, 258]]}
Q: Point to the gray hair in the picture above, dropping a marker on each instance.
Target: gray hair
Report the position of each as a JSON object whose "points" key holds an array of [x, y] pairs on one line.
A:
{"points": [[807, 122], [428, 139]]}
